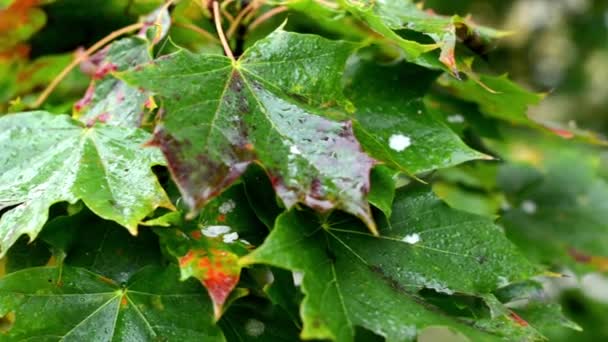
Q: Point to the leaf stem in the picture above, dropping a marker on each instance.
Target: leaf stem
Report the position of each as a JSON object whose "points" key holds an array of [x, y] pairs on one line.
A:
{"points": [[110, 37], [252, 6], [220, 32], [259, 20], [196, 29]]}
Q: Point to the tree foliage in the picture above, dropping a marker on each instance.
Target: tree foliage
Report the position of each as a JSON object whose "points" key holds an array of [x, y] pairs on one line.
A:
{"points": [[251, 170]]}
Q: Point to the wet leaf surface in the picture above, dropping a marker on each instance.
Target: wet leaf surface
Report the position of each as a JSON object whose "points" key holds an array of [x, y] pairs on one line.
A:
{"points": [[425, 245], [222, 116], [106, 167]]}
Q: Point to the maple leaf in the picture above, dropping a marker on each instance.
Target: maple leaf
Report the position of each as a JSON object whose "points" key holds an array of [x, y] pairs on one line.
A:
{"points": [[222, 115], [105, 166], [426, 244]]}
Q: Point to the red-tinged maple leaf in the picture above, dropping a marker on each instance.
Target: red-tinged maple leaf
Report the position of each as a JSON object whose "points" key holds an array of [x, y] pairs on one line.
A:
{"points": [[520, 321], [16, 14], [217, 270]]}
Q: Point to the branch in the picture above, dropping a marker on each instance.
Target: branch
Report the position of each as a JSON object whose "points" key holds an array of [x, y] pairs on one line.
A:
{"points": [[196, 29], [220, 31], [259, 20], [113, 35]]}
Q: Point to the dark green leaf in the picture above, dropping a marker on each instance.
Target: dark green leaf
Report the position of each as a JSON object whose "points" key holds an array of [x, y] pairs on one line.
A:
{"points": [[53, 304], [426, 245], [223, 115], [393, 124]]}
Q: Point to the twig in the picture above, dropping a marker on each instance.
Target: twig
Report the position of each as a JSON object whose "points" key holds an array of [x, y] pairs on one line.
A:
{"points": [[220, 31], [196, 29], [250, 8], [259, 20], [224, 10], [113, 35]]}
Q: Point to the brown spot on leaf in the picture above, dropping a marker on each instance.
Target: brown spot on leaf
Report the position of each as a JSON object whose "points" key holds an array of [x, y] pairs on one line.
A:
{"points": [[104, 69], [86, 99], [196, 234], [520, 321], [216, 269], [599, 262], [564, 133]]}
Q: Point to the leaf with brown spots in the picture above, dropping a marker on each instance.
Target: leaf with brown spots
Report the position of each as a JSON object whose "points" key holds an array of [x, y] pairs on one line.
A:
{"points": [[222, 115], [209, 247], [216, 269], [110, 100]]}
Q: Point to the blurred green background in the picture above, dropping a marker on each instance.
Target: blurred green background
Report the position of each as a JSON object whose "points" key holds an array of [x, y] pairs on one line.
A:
{"points": [[558, 46]]}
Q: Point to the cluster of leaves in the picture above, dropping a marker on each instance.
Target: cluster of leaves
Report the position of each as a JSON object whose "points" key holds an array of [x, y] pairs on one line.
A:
{"points": [[334, 176]]}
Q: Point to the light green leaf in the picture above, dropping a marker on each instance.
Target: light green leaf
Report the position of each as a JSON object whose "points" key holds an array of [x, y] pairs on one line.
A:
{"points": [[51, 158], [389, 16], [506, 101]]}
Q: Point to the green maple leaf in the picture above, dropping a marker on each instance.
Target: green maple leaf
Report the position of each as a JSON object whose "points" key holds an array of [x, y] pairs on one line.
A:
{"points": [[389, 107], [387, 17], [507, 101], [74, 304], [348, 282], [51, 158], [267, 107]]}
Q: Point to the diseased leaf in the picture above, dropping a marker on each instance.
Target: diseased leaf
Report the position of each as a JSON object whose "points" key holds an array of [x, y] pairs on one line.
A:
{"points": [[425, 245], [218, 270], [223, 115], [106, 167], [506, 322], [110, 100], [209, 248], [392, 123], [77, 304]]}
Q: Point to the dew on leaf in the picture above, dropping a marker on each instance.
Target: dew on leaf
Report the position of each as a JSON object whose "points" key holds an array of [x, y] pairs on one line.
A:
{"points": [[231, 237], [528, 206], [297, 278], [294, 150], [411, 238], [227, 207], [399, 142], [254, 328], [215, 231], [456, 118]]}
